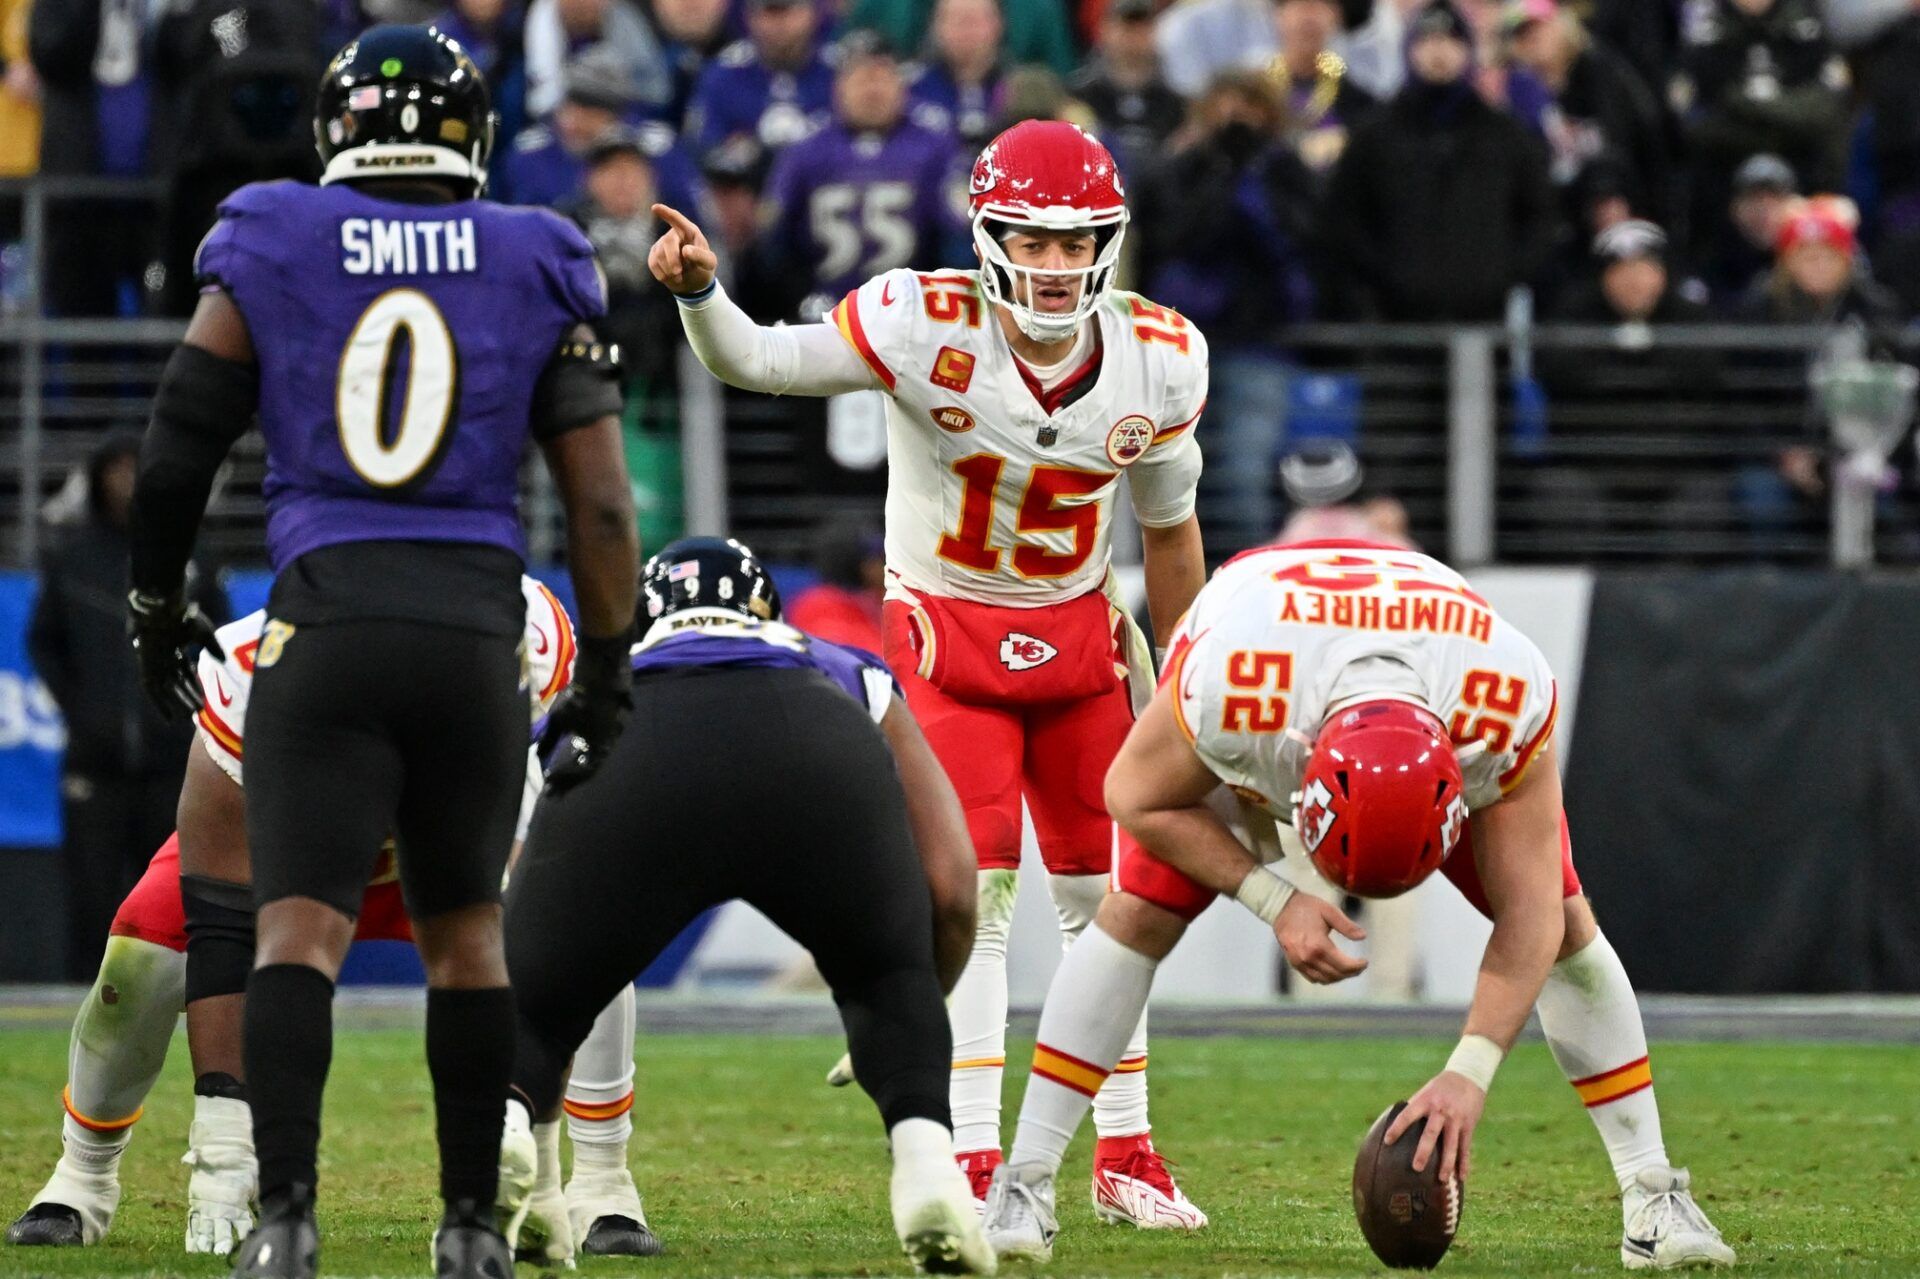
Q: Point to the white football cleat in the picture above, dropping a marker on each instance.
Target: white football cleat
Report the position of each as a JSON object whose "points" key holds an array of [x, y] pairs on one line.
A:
{"points": [[1131, 1186], [1665, 1228], [226, 1176], [842, 1073], [75, 1207], [935, 1218], [607, 1216], [1019, 1217], [519, 1162], [545, 1233]]}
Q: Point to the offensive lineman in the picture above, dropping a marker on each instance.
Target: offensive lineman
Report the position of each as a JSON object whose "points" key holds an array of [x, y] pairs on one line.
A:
{"points": [[157, 959], [363, 319], [1019, 394], [751, 725], [1407, 721]]}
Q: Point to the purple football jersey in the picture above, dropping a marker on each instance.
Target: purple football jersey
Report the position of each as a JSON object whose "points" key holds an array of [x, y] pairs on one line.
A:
{"points": [[740, 643], [399, 345]]}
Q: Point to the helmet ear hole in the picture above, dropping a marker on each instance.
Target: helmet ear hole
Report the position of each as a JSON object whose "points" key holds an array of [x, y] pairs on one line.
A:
{"points": [[1340, 775]]}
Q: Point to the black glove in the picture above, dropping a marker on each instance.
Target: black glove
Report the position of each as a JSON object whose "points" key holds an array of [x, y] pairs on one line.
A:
{"points": [[585, 723], [165, 630]]}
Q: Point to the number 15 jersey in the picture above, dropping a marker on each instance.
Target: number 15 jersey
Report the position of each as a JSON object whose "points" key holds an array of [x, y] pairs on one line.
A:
{"points": [[399, 346], [991, 498]]}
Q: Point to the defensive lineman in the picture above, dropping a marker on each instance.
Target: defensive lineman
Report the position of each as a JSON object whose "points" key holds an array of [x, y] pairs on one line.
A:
{"points": [[1019, 394], [751, 727], [363, 319], [1412, 727], [157, 958]]}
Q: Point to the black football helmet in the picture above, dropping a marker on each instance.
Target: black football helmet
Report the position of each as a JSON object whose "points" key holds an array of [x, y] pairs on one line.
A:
{"points": [[706, 572], [404, 102]]}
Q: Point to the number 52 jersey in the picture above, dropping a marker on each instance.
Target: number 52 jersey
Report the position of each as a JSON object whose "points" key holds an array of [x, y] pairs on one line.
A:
{"points": [[1281, 633], [399, 346], [992, 498]]}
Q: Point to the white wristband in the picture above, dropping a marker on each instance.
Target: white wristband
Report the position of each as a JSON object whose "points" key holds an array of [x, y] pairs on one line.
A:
{"points": [[1476, 1057], [1264, 893]]}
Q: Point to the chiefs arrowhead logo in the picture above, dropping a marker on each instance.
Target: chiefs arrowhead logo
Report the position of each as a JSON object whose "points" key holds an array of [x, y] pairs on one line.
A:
{"points": [[1024, 652], [1452, 823], [1313, 814]]}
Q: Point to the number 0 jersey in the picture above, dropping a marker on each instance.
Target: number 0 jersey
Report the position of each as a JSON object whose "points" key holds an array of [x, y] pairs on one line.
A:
{"points": [[549, 649], [399, 346], [989, 497], [1281, 633]]}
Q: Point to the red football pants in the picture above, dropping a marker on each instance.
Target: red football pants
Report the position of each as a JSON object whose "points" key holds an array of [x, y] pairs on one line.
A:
{"points": [[1055, 754]]}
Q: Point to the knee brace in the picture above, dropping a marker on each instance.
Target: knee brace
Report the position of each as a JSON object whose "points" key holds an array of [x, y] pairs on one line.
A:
{"points": [[1076, 900], [220, 923]]}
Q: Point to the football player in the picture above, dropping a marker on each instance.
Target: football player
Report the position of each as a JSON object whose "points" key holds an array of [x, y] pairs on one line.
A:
{"points": [[363, 319], [1020, 395], [872, 873], [1412, 728], [159, 959]]}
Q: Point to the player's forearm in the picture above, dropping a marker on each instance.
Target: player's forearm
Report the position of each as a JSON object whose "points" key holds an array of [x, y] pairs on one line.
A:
{"points": [[1176, 569], [802, 359], [1519, 956], [939, 827], [203, 404], [603, 542], [1195, 842]]}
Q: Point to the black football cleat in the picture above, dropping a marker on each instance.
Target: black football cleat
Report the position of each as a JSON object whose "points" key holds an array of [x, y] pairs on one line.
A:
{"points": [[286, 1243], [616, 1236], [468, 1245], [47, 1225]]}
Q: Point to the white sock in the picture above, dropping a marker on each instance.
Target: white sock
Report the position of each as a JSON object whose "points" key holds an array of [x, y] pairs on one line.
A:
{"points": [[921, 1142], [977, 1010], [1120, 1107], [1592, 1024], [546, 1139], [599, 1102], [1092, 1008], [92, 1154], [121, 1036]]}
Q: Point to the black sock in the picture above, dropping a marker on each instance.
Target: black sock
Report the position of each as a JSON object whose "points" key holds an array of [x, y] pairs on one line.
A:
{"points": [[289, 1046], [470, 1056], [218, 1083]]}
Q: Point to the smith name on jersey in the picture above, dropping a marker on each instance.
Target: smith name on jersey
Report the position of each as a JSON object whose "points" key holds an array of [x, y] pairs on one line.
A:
{"points": [[993, 496], [1281, 633]]}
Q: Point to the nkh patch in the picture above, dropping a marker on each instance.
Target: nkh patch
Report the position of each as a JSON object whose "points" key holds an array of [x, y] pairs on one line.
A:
{"points": [[1020, 652]]}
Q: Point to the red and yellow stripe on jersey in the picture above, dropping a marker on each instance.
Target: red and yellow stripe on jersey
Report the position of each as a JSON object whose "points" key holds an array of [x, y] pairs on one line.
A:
{"points": [[1511, 778], [1166, 433], [1068, 1071], [1612, 1085], [846, 318], [216, 728]]}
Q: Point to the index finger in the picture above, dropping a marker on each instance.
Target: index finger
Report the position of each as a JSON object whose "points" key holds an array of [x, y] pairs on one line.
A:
{"points": [[1413, 1112], [676, 219]]}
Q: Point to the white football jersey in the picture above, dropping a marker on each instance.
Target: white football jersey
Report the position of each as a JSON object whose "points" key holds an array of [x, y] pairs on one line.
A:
{"points": [[989, 497], [549, 653], [1281, 633]]}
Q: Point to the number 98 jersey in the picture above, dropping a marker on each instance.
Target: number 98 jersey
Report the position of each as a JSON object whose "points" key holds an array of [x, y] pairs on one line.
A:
{"points": [[1281, 633], [991, 497], [399, 346]]}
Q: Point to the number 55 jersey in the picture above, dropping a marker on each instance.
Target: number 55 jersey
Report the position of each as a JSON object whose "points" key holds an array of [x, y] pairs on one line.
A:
{"points": [[399, 347]]}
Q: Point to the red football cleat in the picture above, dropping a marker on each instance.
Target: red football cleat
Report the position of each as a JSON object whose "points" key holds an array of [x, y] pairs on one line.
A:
{"points": [[979, 1166], [1131, 1185]]}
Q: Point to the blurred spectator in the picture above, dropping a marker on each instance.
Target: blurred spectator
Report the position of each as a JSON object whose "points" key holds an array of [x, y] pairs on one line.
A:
{"points": [[96, 98], [870, 192], [1818, 276], [954, 88], [1322, 480], [120, 778], [239, 78], [559, 31], [1603, 128], [1764, 190], [1224, 225], [19, 104], [1036, 93], [491, 31], [1854, 23], [1631, 284], [1324, 101], [1647, 35], [1036, 30], [1121, 83], [1441, 204], [1887, 153], [1757, 75], [1199, 39], [774, 87], [548, 161], [692, 34], [616, 212], [844, 606]]}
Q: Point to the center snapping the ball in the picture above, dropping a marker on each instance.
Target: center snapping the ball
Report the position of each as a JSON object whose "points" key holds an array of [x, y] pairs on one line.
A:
{"points": [[1408, 1217]]}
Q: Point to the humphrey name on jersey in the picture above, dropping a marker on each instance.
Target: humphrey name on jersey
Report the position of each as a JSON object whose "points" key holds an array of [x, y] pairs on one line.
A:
{"points": [[390, 246]]}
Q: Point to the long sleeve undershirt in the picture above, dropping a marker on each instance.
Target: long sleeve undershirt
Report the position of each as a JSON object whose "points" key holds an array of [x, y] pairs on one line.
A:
{"points": [[797, 359]]}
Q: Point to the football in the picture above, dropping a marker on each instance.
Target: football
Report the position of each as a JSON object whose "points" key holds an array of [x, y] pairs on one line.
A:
{"points": [[1408, 1217]]}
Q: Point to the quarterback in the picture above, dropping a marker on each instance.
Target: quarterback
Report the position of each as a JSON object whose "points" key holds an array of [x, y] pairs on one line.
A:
{"points": [[1019, 395], [1366, 697]]}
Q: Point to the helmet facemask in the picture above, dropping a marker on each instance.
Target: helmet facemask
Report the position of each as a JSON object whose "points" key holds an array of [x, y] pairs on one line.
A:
{"points": [[1000, 276]]}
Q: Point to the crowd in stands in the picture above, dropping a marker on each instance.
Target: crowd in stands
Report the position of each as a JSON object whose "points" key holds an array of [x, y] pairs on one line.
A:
{"points": [[1287, 160]]}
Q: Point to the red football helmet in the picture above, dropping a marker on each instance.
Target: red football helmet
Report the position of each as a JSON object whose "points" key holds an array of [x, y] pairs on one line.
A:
{"points": [[1382, 802], [1045, 173]]}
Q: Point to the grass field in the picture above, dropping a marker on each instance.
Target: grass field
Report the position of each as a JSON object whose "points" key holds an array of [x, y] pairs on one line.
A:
{"points": [[1808, 1157]]}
